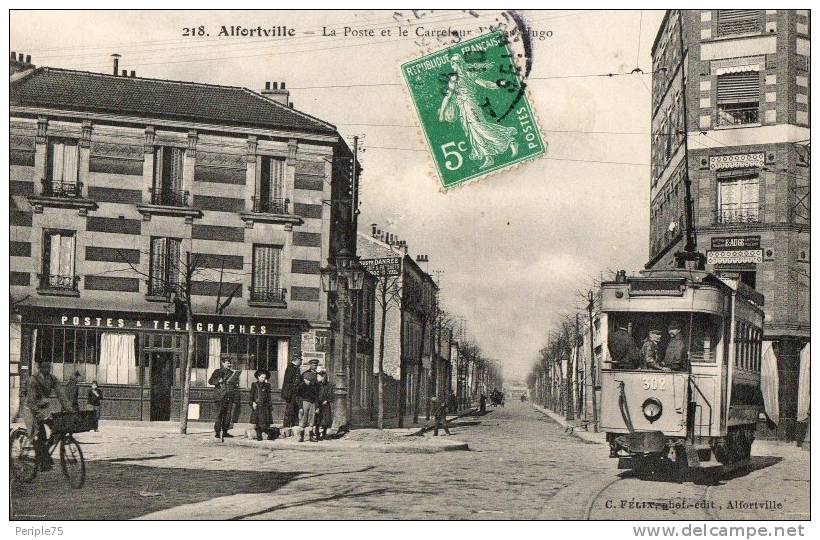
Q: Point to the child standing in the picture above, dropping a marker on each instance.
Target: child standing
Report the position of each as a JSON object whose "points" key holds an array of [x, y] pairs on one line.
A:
{"points": [[261, 404], [94, 399], [325, 402]]}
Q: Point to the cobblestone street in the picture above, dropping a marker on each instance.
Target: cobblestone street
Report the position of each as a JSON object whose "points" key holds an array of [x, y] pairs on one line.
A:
{"points": [[520, 465]]}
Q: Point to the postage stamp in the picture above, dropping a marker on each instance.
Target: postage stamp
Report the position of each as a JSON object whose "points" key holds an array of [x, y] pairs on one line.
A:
{"points": [[473, 109]]}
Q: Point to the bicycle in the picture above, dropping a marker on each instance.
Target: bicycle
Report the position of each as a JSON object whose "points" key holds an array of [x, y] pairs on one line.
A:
{"points": [[23, 460]]}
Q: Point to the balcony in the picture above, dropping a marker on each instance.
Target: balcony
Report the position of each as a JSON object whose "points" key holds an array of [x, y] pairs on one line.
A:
{"points": [[729, 214], [731, 115], [164, 197], [266, 210], [58, 285], [160, 291], [65, 190], [268, 297], [166, 202], [62, 195]]}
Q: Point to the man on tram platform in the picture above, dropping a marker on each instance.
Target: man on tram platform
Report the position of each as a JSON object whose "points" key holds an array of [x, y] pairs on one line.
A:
{"points": [[676, 357]]}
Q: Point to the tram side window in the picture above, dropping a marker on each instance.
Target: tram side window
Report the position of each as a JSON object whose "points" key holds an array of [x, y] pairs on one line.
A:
{"points": [[748, 346], [663, 340]]}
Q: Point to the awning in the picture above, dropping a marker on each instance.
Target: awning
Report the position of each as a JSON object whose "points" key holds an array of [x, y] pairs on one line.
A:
{"points": [[804, 385], [769, 382]]}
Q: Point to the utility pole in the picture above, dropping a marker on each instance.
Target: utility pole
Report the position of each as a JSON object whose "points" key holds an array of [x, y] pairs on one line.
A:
{"points": [[570, 348], [590, 306]]}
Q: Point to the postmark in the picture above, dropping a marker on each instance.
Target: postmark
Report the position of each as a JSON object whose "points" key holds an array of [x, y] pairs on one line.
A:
{"points": [[473, 108]]}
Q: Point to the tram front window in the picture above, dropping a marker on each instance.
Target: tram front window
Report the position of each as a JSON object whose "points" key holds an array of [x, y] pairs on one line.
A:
{"points": [[662, 341]]}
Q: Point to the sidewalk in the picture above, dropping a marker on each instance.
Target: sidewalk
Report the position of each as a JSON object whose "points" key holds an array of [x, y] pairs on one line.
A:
{"points": [[573, 427]]}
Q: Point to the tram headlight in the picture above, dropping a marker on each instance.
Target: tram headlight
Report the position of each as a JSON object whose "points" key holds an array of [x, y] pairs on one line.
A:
{"points": [[652, 409]]}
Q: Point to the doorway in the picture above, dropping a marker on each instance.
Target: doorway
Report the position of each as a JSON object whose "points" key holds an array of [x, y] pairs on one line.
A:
{"points": [[162, 381]]}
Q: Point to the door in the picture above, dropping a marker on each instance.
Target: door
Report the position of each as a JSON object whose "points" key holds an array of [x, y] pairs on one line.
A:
{"points": [[162, 379]]}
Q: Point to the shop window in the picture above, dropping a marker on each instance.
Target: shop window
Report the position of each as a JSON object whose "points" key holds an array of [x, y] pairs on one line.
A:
{"points": [[732, 22], [738, 198], [62, 165], [167, 187], [270, 198], [164, 272], [266, 283], [738, 98], [58, 261]]}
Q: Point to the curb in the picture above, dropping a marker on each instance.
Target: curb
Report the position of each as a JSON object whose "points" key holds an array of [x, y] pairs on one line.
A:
{"points": [[345, 446], [586, 436]]}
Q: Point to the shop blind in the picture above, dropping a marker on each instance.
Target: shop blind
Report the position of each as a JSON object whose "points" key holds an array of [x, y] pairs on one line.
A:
{"points": [[738, 87], [738, 21], [266, 260]]}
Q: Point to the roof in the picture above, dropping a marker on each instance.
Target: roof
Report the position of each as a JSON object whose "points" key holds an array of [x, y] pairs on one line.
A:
{"points": [[158, 98]]}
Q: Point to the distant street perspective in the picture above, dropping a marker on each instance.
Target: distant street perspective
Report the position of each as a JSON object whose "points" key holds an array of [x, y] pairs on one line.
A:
{"points": [[520, 464]]}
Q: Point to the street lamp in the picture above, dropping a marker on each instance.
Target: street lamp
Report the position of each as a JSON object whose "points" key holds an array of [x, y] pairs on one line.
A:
{"points": [[346, 275]]}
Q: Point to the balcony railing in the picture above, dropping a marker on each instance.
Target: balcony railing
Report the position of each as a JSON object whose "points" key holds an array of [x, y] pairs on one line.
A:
{"points": [[270, 206], [736, 116], [56, 282], [164, 197], [268, 295], [739, 213], [65, 190], [161, 288]]}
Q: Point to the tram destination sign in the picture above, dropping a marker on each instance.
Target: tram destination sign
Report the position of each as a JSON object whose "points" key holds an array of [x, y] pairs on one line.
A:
{"points": [[735, 242], [382, 267]]}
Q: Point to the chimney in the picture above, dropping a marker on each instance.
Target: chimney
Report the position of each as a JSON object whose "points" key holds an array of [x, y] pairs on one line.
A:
{"points": [[374, 225], [277, 93], [125, 73], [116, 58], [19, 62], [620, 276], [133, 73]]}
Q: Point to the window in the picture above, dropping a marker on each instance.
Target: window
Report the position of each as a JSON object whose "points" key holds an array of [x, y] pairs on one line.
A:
{"points": [[62, 167], [164, 271], [58, 261], [738, 198], [266, 285], [738, 98], [168, 165], [270, 193], [732, 22]]}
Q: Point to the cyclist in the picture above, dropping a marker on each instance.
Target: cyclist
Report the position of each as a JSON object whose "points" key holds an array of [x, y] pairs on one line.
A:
{"points": [[37, 409]]}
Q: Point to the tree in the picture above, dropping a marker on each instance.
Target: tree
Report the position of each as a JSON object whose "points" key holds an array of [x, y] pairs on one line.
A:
{"points": [[389, 296], [179, 293]]}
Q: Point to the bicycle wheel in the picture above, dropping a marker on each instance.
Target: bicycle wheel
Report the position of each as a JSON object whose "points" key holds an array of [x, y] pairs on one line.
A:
{"points": [[23, 460], [72, 461]]}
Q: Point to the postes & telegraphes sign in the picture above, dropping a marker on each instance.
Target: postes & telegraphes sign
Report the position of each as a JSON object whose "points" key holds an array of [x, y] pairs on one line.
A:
{"points": [[160, 324], [382, 267]]}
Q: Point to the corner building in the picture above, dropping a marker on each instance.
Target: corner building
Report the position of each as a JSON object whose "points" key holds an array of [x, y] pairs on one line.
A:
{"points": [[743, 110], [115, 180]]}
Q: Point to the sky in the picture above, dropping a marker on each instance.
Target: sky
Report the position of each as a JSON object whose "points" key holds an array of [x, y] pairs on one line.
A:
{"points": [[513, 250]]}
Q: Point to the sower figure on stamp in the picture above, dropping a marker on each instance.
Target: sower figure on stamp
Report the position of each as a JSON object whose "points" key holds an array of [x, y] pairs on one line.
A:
{"points": [[226, 394], [290, 387], [261, 416]]}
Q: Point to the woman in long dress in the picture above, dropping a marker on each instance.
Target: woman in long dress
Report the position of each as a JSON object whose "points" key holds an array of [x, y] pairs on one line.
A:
{"points": [[487, 139]]}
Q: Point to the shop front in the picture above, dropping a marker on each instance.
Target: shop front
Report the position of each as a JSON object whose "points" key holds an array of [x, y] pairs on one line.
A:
{"points": [[138, 359]]}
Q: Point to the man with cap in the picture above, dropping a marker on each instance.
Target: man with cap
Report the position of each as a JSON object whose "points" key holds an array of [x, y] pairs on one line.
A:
{"points": [[261, 404], [226, 395], [649, 350], [308, 393], [37, 409], [324, 404], [290, 386], [622, 348], [677, 351]]}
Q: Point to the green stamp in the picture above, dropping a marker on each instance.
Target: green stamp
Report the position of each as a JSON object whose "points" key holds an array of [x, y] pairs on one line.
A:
{"points": [[473, 109]]}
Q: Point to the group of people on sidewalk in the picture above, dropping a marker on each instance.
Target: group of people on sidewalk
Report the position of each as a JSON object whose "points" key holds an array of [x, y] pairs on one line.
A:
{"points": [[308, 397]]}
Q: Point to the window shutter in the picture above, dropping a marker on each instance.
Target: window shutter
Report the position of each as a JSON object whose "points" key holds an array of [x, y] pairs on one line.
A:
{"points": [[57, 162], [158, 264], [738, 21], [266, 261], [277, 177], [172, 261], [159, 154], [177, 163], [70, 163], [739, 87]]}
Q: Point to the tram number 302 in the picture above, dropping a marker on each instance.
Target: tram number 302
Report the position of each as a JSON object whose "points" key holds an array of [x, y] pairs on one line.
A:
{"points": [[653, 383]]}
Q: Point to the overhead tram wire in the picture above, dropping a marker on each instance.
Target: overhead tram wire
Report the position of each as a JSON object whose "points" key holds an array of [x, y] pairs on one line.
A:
{"points": [[597, 161]]}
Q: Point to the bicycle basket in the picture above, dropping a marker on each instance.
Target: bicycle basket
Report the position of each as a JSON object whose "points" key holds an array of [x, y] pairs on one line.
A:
{"points": [[74, 422]]}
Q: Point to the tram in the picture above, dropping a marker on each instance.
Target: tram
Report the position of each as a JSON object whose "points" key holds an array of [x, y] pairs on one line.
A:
{"points": [[702, 411]]}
